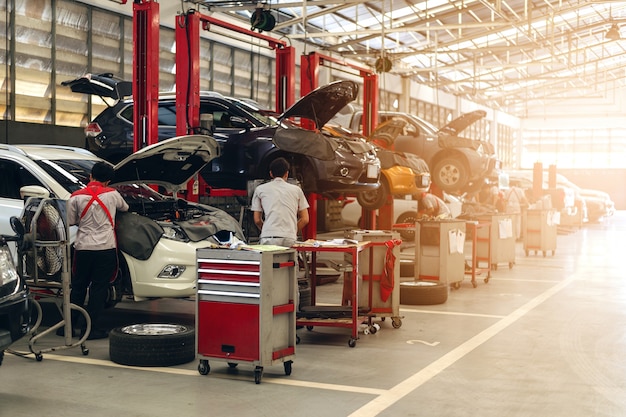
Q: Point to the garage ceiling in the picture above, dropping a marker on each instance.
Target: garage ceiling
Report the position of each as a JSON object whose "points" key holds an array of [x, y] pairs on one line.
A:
{"points": [[512, 55]]}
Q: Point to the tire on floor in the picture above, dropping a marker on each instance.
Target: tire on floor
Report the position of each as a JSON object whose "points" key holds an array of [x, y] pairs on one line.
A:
{"points": [[423, 293], [152, 344]]}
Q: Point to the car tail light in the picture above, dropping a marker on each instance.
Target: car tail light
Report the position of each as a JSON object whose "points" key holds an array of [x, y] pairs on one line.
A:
{"points": [[93, 129]]}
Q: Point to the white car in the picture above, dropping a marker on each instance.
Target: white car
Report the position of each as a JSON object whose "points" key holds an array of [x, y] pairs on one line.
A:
{"points": [[160, 234]]}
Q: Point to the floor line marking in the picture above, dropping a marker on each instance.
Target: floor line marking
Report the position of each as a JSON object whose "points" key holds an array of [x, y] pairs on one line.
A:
{"points": [[189, 372], [396, 393], [453, 313]]}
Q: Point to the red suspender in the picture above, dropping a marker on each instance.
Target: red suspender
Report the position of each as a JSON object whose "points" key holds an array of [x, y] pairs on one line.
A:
{"points": [[94, 197]]}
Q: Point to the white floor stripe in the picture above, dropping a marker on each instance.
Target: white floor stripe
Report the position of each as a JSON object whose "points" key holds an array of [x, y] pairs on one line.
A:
{"points": [[384, 401], [452, 313]]}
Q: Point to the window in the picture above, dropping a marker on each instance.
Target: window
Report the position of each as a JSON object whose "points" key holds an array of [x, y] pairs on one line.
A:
{"points": [[14, 176]]}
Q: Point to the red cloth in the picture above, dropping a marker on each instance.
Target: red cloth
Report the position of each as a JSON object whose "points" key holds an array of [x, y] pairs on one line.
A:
{"points": [[387, 281]]}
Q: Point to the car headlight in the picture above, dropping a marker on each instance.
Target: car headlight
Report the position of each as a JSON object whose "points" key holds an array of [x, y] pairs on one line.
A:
{"points": [[173, 232], [8, 273]]}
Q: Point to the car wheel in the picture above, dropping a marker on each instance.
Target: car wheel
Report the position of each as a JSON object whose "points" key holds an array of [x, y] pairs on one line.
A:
{"points": [[423, 293], [373, 200], [157, 344], [409, 217], [450, 174]]}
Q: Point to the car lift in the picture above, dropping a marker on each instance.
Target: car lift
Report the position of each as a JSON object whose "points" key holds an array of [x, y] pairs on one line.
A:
{"points": [[309, 80]]}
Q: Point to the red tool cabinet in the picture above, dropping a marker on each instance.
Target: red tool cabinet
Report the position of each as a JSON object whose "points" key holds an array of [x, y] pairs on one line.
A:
{"points": [[245, 308]]}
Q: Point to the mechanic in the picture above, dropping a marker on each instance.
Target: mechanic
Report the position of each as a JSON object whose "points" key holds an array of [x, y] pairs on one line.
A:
{"points": [[432, 206], [280, 209], [95, 262]]}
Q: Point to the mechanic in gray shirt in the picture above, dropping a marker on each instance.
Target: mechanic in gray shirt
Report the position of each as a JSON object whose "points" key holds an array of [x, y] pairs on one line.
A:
{"points": [[280, 209], [94, 263]]}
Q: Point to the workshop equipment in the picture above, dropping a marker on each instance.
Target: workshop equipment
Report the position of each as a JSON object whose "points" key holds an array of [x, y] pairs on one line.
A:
{"points": [[379, 273], [479, 237], [541, 230], [502, 239], [439, 251], [245, 307], [43, 261]]}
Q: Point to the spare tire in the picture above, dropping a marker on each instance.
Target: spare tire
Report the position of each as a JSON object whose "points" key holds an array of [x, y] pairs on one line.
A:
{"points": [[423, 293], [157, 344]]}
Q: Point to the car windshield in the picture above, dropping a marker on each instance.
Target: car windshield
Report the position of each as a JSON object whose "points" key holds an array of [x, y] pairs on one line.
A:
{"points": [[71, 174]]}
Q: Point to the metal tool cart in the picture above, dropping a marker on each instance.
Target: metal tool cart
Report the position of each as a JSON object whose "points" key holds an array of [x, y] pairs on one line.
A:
{"points": [[502, 236], [540, 231], [380, 273], [479, 236], [43, 261], [245, 307], [348, 314], [439, 251]]}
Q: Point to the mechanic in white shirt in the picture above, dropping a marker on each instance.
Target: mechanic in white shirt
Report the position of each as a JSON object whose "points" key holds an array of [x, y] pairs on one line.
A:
{"points": [[280, 209]]}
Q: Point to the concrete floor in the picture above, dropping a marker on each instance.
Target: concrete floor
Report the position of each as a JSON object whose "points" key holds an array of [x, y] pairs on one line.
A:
{"points": [[545, 338]]}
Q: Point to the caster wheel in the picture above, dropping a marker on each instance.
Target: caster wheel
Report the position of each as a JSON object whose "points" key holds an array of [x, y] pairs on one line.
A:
{"points": [[352, 342], [487, 280], [511, 265], [38, 357], [232, 365], [258, 373], [203, 367], [396, 322], [84, 350], [373, 329], [366, 331], [297, 340], [494, 267], [309, 328], [474, 284], [287, 366]]}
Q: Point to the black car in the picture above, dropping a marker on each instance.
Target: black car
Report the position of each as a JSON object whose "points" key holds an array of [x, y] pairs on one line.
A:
{"points": [[14, 305], [249, 137]]}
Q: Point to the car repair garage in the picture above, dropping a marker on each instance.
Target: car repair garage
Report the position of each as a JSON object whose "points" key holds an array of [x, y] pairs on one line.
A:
{"points": [[454, 172]]}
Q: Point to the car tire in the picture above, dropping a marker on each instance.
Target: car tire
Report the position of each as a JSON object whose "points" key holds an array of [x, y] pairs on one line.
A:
{"points": [[373, 200], [410, 217], [423, 293], [450, 174], [152, 344]]}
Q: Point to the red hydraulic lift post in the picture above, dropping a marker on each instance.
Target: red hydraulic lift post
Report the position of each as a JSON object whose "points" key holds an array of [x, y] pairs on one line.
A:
{"points": [[188, 75], [309, 81], [145, 73]]}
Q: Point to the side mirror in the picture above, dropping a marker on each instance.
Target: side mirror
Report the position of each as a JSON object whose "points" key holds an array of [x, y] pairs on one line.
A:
{"points": [[36, 191], [239, 122], [17, 226]]}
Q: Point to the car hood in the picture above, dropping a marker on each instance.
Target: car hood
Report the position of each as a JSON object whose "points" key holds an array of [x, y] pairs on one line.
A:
{"points": [[456, 126], [321, 104], [170, 163], [103, 85]]}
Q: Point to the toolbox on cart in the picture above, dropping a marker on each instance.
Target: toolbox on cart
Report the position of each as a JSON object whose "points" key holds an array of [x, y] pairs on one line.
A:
{"points": [[439, 251], [245, 307], [541, 230], [502, 239], [379, 264]]}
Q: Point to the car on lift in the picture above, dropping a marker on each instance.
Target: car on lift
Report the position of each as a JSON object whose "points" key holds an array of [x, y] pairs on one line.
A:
{"points": [[158, 236], [249, 137], [402, 173], [457, 164]]}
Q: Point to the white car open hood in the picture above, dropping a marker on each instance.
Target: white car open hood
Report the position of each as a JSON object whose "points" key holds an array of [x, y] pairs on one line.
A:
{"points": [[170, 163]]}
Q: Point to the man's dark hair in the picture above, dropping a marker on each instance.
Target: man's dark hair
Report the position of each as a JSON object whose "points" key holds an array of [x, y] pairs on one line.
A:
{"points": [[102, 172], [279, 166]]}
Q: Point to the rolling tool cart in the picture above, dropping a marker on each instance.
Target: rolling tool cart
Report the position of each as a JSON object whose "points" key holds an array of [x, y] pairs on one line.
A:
{"points": [[541, 229], [348, 314], [380, 273], [502, 237], [439, 251], [245, 307], [479, 235], [44, 259]]}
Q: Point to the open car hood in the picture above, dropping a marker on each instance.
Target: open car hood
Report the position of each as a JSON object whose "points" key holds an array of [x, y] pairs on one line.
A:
{"points": [[321, 104], [103, 85], [456, 126], [170, 163]]}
